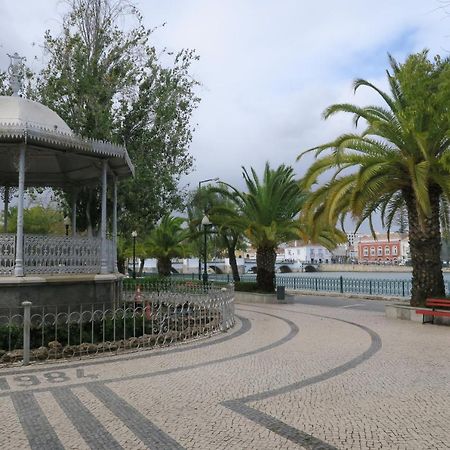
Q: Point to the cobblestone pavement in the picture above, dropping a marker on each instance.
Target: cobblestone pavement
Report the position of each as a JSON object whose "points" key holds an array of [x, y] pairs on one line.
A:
{"points": [[287, 376]]}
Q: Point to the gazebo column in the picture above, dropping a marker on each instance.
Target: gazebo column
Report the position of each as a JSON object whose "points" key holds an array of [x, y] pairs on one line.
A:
{"points": [[114, 230], [5, 209], [18, 269], [74, 212], [104, 256]]}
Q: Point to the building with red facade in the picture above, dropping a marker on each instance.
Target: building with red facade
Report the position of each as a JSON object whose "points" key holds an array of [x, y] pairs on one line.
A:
{"points": [[382, 250]]}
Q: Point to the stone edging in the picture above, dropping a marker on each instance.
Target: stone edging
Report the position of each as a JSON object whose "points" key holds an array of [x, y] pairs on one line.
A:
{"points": [[255, 297], [347, 295]]}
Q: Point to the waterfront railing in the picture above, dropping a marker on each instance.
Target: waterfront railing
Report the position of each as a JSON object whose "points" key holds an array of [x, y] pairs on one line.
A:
{"points": [[340, 284]]}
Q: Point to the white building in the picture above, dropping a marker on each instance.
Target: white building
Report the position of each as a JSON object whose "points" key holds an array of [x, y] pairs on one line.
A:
{"points": [[298, 251], [353, 241]]}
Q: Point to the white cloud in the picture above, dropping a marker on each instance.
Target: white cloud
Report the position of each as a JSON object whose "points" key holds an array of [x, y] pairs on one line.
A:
{"points": [[268, 68]]}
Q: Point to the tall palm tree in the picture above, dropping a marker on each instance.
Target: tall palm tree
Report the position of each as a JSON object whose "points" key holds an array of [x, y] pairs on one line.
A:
{"points": [[167, 241], [267, 216], [223, 214], [400, 159]]}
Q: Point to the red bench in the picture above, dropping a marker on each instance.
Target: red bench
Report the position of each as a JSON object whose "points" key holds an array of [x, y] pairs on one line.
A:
{"points": [[436, 305]]}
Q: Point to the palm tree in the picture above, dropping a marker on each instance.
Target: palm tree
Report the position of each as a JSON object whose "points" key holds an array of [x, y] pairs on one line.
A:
{"points": [[267, 215], [167, 241], [223, 214], [400, 159]]}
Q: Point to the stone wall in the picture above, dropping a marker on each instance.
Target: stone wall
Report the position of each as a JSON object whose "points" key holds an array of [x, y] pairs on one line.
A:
{"points": [[67, 290]]}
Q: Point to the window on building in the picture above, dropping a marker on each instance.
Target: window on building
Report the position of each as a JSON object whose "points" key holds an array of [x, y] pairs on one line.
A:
{"points": [[380, 251], [365, 251], [372, 251], [387, 250], [394, 250]]}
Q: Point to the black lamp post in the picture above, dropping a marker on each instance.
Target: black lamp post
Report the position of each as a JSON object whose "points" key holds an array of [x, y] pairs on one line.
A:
{"points": [[66, 224], [200, 259], [205, 223], [134, 236]]}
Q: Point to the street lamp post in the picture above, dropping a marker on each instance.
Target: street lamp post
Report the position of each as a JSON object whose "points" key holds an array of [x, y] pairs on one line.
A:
{"points": [[205, 223], [134, 236], [66, 224], [200, 259]]}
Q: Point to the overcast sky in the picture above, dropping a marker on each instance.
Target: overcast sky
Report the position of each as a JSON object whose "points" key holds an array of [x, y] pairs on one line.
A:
{"points": [[268, 68]]}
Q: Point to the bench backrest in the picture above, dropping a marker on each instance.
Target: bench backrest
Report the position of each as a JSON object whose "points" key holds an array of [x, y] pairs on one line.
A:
{"points": [[438, 302]]}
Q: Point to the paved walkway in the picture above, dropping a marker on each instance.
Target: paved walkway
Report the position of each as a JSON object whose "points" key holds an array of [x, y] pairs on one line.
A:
{"points": [[289, 376]]}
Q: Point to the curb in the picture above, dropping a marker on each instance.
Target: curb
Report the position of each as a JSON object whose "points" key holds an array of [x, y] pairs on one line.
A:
{"points": [[346, 295]]}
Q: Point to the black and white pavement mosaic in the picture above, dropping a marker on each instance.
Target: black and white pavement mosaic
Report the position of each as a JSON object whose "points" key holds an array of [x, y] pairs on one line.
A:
{"points": [[287, 376]]}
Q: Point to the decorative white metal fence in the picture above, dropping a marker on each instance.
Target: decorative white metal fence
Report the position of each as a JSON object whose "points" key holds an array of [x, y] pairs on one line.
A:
{"points": [[61, 254], [162, 316], [7, 253]]}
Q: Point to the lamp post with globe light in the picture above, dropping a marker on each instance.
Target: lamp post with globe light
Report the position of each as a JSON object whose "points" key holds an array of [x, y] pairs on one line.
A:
{"points": [[205, 224], [199, 187], [134, 236]]}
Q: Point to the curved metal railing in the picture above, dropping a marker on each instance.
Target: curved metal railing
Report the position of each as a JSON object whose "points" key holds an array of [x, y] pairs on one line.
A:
{"points": [[143, 319]]}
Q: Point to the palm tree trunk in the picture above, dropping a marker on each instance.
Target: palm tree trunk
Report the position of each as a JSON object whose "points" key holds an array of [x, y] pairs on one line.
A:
{"points": [[233, 263], [231, 250], [425, 248], [265, 269], [164, 266], [121, 264]]}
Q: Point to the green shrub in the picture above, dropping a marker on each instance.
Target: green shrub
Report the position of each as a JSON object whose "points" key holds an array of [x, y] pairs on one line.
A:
{"points": [[10, 334], [246, 286]]}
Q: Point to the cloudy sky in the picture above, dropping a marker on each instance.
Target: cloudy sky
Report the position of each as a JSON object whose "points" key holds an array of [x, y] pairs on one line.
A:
{"points": [[268, 68]]}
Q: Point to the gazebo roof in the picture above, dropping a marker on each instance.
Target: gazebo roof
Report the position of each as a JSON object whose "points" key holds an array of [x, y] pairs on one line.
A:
{"points": [[15, 109], [56, 156]]}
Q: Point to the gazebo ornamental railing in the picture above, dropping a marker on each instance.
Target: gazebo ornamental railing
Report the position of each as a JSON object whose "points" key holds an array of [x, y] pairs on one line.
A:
{"points": [[47, 254]]}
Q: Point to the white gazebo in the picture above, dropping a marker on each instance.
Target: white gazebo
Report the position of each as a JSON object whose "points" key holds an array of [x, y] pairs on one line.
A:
{"points": [[38, 149]]}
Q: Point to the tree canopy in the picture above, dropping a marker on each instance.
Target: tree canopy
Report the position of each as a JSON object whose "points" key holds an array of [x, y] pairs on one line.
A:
{"points": [[267, 215], [108, 82], [400, 159], [38, 220], [167, 241]]}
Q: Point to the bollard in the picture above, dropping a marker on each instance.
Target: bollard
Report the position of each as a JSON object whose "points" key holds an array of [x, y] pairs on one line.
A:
{"points": [[281, 292], [26, 332]]}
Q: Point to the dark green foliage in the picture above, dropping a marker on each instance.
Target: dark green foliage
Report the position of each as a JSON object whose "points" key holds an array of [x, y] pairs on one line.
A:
{"points": [[11, 337], [166, 241], [222, 212], [38, 220], [246, 286], [110, 84], [398, 165], [267, 214]]}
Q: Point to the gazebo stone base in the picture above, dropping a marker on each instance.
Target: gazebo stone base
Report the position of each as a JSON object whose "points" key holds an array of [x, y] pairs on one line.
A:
{"points": [[60, 290]]}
